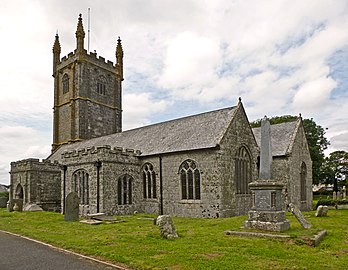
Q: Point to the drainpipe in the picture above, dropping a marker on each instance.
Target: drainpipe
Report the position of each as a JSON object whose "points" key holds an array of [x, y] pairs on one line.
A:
{"points": [[64, 187], [161, 186], [98, 164]]}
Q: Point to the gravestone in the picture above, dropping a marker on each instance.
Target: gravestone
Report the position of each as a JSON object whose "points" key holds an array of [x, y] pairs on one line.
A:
{"points": [[339, 195], [15, 205], [72, 207], [166, 225], [267, 211], [344, 194], [298, 214], [322, 211], [334, 196]]}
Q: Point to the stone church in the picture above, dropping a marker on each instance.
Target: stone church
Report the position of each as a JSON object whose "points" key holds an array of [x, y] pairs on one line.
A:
{"points": [[196, 166]]}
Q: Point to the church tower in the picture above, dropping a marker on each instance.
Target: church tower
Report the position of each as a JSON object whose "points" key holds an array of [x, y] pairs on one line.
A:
{"points": [[87, 93]]}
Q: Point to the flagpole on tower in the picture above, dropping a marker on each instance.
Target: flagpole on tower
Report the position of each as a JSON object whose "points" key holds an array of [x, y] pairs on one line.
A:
{"points": [[89, 28]]}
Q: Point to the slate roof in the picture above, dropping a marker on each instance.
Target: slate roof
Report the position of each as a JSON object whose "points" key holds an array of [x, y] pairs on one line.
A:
{"points": [[199, 131], [282, 136]]}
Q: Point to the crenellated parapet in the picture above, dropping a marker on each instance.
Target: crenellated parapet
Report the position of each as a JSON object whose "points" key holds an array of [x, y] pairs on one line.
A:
{"points": [[89, 57], [31, 164], [100, 152]]}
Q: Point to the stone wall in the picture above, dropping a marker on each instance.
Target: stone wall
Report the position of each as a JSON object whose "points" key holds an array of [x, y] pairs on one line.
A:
{"points": [[300, 153], [238, 134], [40, 182], [104, 165]]}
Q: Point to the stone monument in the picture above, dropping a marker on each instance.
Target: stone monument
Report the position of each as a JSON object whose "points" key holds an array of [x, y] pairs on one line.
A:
{"points": [[166, 225], [267, 211], [72, 207]]}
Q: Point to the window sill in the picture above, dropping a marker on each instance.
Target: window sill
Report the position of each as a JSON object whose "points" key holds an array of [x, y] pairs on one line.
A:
{"points": [[190, 201]]}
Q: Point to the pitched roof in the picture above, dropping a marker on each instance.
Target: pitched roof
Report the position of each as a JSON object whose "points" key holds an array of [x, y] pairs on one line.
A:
{"points": [[282, 136], [199, 131]]}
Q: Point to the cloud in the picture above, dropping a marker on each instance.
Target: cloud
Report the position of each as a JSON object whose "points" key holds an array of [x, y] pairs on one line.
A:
{"points": [[138, 108]]}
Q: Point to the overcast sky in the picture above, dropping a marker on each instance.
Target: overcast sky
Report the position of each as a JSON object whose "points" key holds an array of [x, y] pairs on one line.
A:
{"points": [[181, 57]]}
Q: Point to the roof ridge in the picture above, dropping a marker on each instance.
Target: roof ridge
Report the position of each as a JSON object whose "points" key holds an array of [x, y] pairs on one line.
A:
{"points": [[177, 119]]}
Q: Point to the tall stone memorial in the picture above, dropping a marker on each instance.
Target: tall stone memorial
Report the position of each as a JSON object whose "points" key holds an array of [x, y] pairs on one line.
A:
{"points": [[267, 211]]}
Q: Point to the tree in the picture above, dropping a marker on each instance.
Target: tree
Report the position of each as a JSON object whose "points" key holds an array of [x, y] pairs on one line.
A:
{"points": [[335, 169], [315, 135], [317, 143]]}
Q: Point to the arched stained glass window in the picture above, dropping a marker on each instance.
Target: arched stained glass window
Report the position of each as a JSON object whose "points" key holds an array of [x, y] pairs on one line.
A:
{"points": [[124, 189], [190, 178], [80, 185], [149, 181], [303, 179], [243, 170]]}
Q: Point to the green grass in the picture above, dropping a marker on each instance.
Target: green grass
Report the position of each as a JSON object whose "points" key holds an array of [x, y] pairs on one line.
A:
{"points": [[202, 244]]}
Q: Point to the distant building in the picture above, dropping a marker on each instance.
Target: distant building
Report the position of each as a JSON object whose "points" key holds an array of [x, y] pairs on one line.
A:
{"points": [[196, 166]]}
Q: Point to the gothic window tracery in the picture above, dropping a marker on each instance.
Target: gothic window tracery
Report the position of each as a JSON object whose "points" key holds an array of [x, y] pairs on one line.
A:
{"points": [[124, 189], [190, 178], [243, 170], [303, 179], [80, 185], [65, 82], [149, 181], [101, 85]]}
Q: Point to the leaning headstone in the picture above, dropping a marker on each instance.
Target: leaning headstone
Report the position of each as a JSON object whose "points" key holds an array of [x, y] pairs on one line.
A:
{"points": [[322, 211], [298, 214], [72, 207], [166, 225]]}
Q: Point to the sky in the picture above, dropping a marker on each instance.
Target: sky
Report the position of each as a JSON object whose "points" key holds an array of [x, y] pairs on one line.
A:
{"points": [[181, 57]]}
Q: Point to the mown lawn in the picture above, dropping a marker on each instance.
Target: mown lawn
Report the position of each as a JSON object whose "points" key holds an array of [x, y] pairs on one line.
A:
{"points": [[202, 244]]}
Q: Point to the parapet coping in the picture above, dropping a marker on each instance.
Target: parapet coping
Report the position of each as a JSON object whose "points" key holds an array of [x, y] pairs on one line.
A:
{"points": [[92, 56]]}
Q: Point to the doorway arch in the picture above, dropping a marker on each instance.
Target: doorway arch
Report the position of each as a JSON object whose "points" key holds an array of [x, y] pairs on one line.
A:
{"points": [[19, 192]]}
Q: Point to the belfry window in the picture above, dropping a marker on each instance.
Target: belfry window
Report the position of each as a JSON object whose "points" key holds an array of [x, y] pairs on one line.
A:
{"points": [[65, 82], [101, 85], [303, 179], [243, 170], [149, 182], [190, 178], [80, 185], [124, 189]]}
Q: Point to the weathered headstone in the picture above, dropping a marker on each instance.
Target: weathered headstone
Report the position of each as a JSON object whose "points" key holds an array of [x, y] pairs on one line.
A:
{"points": [[267, 211], [72, 207], [166, 225], [339, 195], [344, 194], [322, 211], [334, 195], [298, 214], [15, 205]]}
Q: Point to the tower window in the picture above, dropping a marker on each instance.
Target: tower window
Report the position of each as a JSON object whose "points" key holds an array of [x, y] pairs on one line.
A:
{"points": [[303, 179], [65, 82], [190, 180], [101, 85]]}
